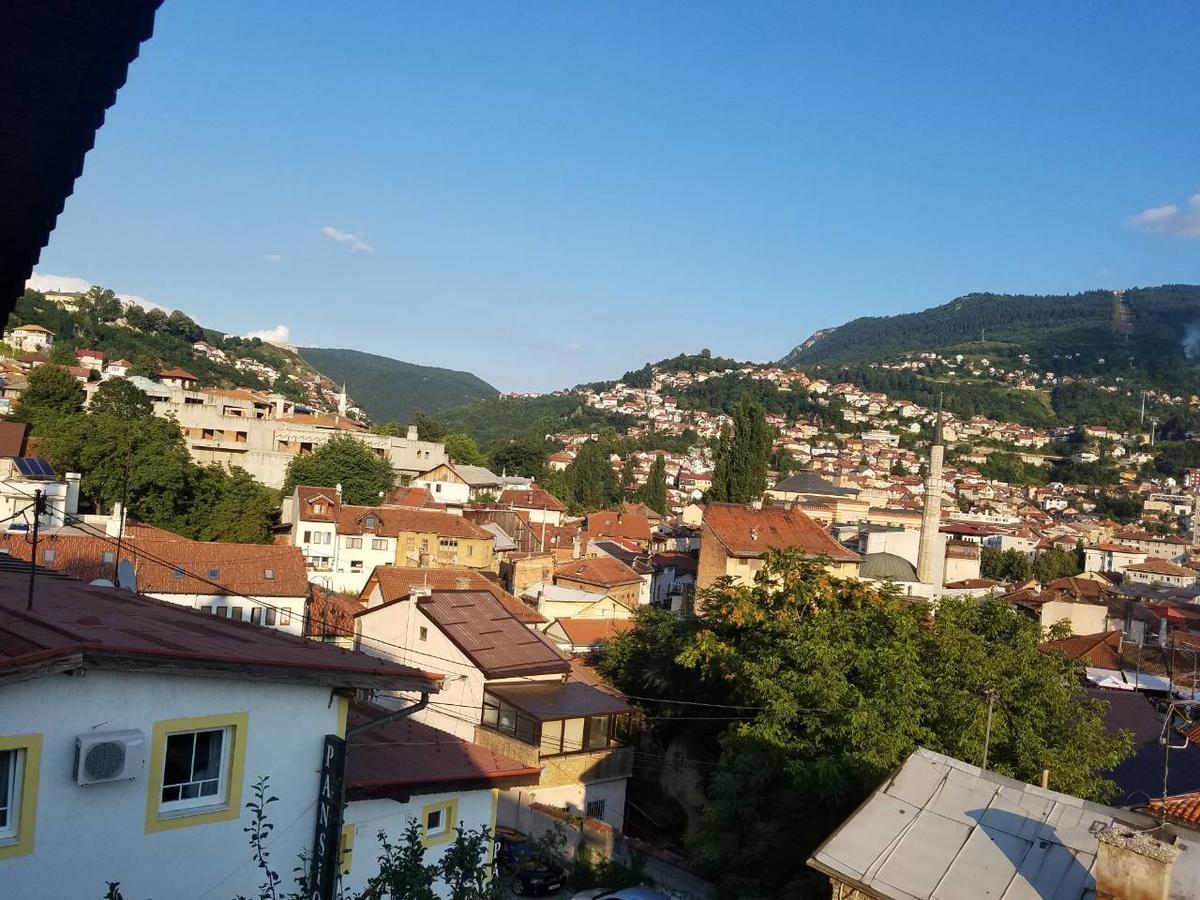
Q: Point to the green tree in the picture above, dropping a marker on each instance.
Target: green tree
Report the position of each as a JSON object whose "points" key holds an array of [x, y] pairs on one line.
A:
{"points": [[461, 448], [403, 871], [343, 460], [654, 491], [231, 506], [740, 474], [1052, 564], [387, 429], [51, 395], [428, 428], [838, 682], [521, 456], [62, 353], [590, 481], [118, 397], [1004, 565]]}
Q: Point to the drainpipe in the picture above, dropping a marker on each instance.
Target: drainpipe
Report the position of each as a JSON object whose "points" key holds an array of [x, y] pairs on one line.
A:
{"points": [[404, 713]]}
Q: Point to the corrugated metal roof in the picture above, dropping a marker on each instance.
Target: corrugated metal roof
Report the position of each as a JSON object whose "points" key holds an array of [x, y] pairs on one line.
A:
{"points": [[549, 700], [940, 828], [491, 636]]}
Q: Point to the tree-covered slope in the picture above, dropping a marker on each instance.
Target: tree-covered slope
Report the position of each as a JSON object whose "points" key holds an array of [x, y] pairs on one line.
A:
{"points": [[391, 390], [1153, 333]]}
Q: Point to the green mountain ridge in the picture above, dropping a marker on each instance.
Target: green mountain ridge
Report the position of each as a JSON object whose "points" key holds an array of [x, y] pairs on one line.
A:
{"points": [[1150, 335], [391, 390]]}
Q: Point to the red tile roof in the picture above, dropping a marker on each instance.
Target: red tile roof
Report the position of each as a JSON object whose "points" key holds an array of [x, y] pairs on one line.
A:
{"points": [[330, 614], [174, 566], [549, 700], [393, 520], [606, 523], [590, 632], [684, 561], [1181, 808], [74, 625], [12, 438], [1101, 651], [182, 374], [1155, 566], [493, 639], [308, 496], [748, 532], [412, 758], [399, 581], [604, 571], [534, 498]]}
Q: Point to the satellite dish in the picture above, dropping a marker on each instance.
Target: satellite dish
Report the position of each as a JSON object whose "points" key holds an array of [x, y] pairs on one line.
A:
{"points": [[126, 576], [101, 582]]}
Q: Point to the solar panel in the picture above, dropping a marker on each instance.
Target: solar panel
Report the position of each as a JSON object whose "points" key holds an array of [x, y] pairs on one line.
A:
{"points": [[35, 467]]}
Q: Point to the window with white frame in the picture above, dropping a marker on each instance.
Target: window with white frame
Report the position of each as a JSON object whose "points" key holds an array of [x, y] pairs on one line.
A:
{"points": [[353, 543], [379, 544], [195, 769], [11, 773], [436, 822]]}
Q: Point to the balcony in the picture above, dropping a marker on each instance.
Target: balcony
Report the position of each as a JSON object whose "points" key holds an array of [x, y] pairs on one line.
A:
{"points": [[561, 768]]}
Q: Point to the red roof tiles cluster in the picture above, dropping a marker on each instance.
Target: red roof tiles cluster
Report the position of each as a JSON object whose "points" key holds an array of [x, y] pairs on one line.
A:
{"points": [[602, 571], [396, 582], [533, 498], [179, 566], [748, 532], [633, 526]]}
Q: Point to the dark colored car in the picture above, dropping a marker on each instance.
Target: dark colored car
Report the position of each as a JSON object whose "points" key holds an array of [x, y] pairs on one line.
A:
{"points": [[530, 877], [534, 878]]}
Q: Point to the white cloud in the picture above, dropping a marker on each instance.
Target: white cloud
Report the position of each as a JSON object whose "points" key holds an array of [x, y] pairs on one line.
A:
{"points": [[354, 240], [69, 284], [272, 257], [573, 347], [1171, 219], [277, 335]]}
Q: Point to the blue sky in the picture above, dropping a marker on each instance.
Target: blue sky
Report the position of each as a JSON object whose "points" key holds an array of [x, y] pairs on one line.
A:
{"points": [[549, 193]]}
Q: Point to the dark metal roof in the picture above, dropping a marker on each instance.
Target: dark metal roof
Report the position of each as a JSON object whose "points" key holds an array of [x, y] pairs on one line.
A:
{"points": [[73, 625], [407, 757], [490, 636], [550, 700], [812, 483], [61, 63], [882, 566], [1140, 775]]}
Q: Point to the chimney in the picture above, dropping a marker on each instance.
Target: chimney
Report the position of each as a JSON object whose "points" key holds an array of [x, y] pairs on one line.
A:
{"points": [[754, 534], [1133, 865], [116, 522], [71, 507], [412, 432], [338, 487]]}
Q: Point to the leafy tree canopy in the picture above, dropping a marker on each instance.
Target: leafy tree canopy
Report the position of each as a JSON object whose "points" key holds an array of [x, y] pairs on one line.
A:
{"points": [[51, 395], [461, 448], [838, 682], [343, 460], [740, 474]]}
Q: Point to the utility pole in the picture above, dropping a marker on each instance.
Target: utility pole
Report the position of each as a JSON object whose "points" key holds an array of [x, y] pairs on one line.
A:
{"points": [[1142, 420], [39, 506], [987, 733]]}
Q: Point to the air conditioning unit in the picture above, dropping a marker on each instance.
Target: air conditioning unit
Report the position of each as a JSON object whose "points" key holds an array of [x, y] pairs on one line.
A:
{"points": [[109, 756]]}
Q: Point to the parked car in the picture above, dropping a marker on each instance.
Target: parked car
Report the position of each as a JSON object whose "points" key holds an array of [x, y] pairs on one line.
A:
{"points": [[633, 893], [534, 878], [531, 877]]}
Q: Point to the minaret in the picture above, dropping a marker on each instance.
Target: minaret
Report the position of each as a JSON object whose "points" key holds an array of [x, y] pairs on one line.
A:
{"points": [[931, 521], [1196, 525], [343, 404]]}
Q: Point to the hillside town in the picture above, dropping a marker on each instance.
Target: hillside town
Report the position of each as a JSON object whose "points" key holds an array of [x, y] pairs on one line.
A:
{"points": [[910, 612]]}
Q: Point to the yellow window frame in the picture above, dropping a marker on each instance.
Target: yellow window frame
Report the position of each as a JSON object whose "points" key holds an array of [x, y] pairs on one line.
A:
{"points": [[449, 814], [237, 723], [31, 767]]}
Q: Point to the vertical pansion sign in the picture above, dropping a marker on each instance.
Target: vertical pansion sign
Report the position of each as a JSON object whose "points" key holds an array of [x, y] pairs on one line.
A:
{"points": [[330, 803]]}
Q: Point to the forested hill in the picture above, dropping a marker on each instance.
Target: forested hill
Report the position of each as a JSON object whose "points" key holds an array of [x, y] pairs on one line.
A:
{"points": [[393, 391], [1149, 332]]}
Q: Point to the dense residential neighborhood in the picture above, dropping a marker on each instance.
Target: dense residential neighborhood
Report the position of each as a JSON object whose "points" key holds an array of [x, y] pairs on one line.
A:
{"points": [[909, 612]]}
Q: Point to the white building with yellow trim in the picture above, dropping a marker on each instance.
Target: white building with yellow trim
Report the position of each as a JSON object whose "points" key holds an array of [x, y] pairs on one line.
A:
{"points": [[132, 732]]}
